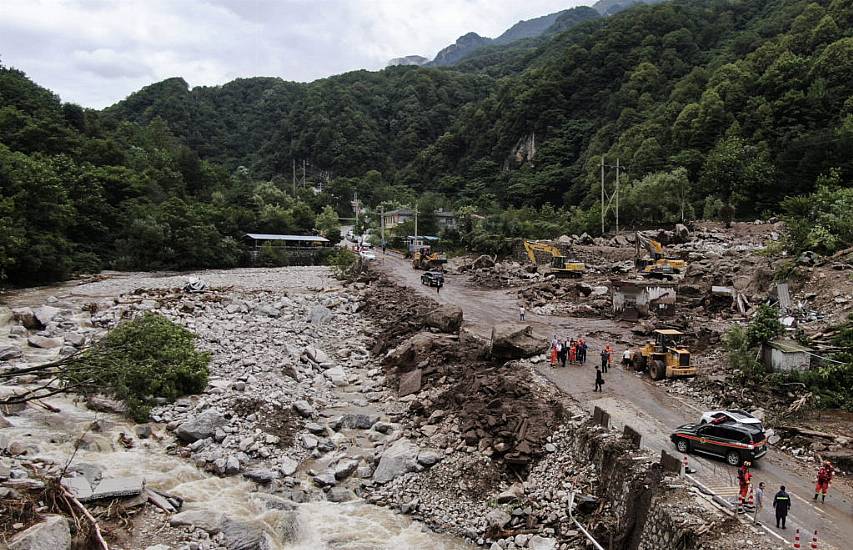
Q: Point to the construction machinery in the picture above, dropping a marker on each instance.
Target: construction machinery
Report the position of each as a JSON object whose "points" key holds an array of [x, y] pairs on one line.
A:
{"points": [[665, 357], [424, 258], [560, 266], [657, 265]]}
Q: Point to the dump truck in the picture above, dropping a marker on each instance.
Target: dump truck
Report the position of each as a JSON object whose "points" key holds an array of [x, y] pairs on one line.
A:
{"points": [[656, 264], [665, 357], [560, 266]]}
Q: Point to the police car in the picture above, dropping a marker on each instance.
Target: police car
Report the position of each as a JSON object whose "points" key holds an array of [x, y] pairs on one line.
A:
{"points": [[733, 441]]}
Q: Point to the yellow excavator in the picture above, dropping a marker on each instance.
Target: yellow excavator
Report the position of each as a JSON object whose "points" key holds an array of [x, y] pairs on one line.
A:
{"points": [[560, 266], [424, 258], [657, 265]]}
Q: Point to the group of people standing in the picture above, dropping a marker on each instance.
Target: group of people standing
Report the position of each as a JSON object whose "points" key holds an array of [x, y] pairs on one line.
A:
{"points": [[782, 499], [568, 350], [574, 352]]}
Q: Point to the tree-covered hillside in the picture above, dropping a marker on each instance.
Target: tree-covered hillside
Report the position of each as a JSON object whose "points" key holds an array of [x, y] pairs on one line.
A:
{"points": [[712, 108]]}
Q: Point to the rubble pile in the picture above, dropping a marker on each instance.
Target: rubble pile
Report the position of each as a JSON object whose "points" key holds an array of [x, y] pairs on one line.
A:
{"points": [[568, 297]]}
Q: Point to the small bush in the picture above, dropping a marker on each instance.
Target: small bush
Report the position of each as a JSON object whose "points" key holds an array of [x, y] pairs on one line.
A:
{"points": [[742, 356], [139, 360], [764, 326], [343, 262]]}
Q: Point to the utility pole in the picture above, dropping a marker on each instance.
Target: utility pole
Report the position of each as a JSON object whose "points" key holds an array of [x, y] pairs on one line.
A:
{"points": [[416, 224], [303, 172], [355, 207], [617, 196], [293, 162], [602, 194], [382, 225]]}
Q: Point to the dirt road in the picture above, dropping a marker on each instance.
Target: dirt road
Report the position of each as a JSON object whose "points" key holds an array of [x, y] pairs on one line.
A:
{"points": [[633, 399]]}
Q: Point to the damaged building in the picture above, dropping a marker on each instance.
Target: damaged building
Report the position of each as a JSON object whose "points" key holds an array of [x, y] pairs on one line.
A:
{"points": [[635, 299]]}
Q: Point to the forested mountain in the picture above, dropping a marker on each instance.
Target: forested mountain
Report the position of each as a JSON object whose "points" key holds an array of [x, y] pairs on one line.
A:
{"points": [[611, 7], [731, 105], [471, 43]]}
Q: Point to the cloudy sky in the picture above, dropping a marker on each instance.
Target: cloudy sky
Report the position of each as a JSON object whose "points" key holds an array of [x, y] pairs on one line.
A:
{"points": [[96, 52]]}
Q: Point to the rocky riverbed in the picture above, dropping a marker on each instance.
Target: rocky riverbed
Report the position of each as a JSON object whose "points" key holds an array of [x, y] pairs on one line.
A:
{"points": [[295, 420]]}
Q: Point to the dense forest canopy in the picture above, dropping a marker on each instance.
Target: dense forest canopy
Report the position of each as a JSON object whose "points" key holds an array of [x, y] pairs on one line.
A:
{"points": [[732, 105]]}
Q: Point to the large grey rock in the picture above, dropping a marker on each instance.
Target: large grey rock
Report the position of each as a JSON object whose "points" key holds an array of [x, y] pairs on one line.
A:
{"points": [[358, 421], [267, 310], [497, 518], [51, 534], [303, 408], [320, 315], [418, 348], [681, 232], [101, 403], [514, 341], [76, 339], [428, 457], [10, 352], [232, 465], [25, 316], [318, 356], [241, 535], [45, 314], [340, 494], [288, 466], [537, 542], [398, 459], [201, 427], [201, 519], [44, 342], [337, 376], [262, 475], [325, 479], [410, 382], [447, 318], [345, 468]]}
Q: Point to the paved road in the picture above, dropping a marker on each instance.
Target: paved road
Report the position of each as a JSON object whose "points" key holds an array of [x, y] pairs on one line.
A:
{"points": [[633, 399]]}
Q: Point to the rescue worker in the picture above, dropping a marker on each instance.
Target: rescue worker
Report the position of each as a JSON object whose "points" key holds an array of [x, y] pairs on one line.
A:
{"points": [[573, 352], [604, 360], [609, 350], [744, 479], [554, 352], [781, 503], [599, 380], [759, 502], [824, 477], [566, 345]]}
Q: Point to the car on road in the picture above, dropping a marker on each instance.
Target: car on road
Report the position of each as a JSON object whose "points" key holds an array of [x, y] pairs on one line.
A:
{"points": [[732, 441], [432, 278], [367, 255], [732, 415]]}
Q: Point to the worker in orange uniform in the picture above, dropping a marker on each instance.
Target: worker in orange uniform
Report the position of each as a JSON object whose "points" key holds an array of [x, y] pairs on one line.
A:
{"points": [[824, 477], [744, 478]]}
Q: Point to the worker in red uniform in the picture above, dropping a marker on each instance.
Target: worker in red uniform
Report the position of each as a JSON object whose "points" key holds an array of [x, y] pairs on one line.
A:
{"points": [[744, 479], [824, 477]]}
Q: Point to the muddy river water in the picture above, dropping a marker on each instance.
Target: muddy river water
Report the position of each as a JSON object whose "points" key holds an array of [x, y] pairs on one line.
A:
{"points": [[320, 524]]}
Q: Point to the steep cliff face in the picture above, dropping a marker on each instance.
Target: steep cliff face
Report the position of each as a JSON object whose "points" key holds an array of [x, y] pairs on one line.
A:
{"points": [[464, 46]]}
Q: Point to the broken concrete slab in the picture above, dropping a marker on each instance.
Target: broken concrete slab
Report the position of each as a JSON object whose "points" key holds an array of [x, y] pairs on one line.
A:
{"points": [[107, 488]]}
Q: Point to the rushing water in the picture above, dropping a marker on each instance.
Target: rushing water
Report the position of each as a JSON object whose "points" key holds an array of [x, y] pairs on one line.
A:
{"points": [[320, 525]]}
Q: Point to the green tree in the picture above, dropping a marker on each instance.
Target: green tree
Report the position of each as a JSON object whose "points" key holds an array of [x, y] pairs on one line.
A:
{"points": [[328, 224]]}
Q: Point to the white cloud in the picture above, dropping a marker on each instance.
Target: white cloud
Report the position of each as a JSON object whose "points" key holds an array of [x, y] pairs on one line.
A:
{"points": [[96, 52]]}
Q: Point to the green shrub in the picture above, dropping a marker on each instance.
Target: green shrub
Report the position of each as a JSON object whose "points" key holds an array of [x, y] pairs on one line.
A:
{"points": [[343, 262], [742, 356], [139, 360], [764, 326]]}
